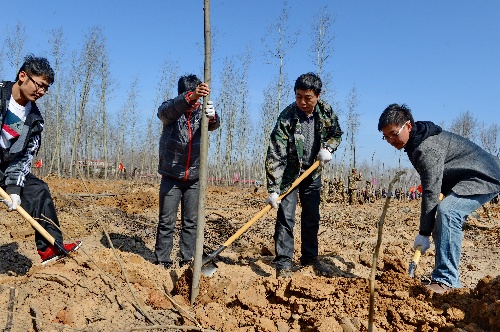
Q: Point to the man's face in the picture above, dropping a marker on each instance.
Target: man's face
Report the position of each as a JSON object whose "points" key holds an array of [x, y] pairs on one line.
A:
{"points": [[32, 86], [397, 135], [306, 100]]}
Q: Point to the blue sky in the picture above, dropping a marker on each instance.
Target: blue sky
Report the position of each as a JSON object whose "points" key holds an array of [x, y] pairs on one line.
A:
{"points": [[441, 58]]}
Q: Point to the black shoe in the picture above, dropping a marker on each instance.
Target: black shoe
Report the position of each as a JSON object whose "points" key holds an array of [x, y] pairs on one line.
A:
{"points": [[185, 262], [425, 280], [166, 265]]}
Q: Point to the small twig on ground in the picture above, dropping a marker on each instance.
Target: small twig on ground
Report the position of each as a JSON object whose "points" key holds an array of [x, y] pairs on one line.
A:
{"points": [[182, 311], [10, 316], [35, 314], [91, 195], [162, 327], [137, 304], [377, 248]]}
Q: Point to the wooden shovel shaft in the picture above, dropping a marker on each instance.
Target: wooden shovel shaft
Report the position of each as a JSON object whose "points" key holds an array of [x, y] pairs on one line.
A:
{"points": [[414, 263], [268, 206], [30, 219]]}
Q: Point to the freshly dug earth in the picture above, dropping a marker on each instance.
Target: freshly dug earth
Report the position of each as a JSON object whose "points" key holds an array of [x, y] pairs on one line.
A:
{"points": [[119, 288]]}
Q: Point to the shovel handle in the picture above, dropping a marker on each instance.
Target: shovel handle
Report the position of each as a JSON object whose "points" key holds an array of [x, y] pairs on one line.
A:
{"points": [[418, 253], [34, 223], [268, 206]]}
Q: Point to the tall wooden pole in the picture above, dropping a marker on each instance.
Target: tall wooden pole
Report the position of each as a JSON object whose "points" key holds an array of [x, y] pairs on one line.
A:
{"points": [[200, 228]]}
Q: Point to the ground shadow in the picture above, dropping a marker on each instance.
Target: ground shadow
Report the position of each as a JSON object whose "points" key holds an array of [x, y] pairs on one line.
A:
{"points": [[132, 244], [12, 261], [327, 261], [345, 272]]}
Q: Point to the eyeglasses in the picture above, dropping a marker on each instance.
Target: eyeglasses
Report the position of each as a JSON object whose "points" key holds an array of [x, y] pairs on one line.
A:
{"points": [[38, 86], [392, 137]]}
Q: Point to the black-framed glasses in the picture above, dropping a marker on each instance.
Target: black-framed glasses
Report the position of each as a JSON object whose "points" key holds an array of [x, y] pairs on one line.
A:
{"points": [[385, 138], [38, 86]]}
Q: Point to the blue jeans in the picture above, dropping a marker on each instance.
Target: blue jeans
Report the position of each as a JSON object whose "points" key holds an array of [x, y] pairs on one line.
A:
{"points": [[447, 234], [309, 191], [173, 192]]}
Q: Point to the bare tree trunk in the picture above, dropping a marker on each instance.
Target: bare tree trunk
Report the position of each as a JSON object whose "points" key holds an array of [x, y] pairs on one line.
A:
{"points": [[352, 122], [195, 288], [90, 61], [15, 44], [57, 43], [105, 81]]}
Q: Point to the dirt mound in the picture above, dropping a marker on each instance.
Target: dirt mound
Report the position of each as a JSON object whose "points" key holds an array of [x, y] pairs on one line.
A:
{"points": [[99, 288]]}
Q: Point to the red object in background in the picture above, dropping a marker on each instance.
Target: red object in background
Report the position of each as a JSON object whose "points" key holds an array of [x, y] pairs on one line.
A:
{"points": [[39, 163], [120, 167], [419, 188]]}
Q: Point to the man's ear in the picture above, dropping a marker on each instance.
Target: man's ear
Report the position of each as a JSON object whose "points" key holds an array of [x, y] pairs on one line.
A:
{"points": [[22, 76]]}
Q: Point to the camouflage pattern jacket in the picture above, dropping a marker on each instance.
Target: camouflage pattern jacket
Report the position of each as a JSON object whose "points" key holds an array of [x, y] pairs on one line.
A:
{"points": [[286, 146], [15, 162]]}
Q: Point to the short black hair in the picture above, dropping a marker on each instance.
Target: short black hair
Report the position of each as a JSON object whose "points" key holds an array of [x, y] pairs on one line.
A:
{"points": [[37, 66], [395, 114], [308, 81], [187, 83]]}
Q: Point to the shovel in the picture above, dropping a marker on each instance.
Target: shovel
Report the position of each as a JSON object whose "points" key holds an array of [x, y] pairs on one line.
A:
{"points": [[414, 263], [36, 225], [208, 267]]}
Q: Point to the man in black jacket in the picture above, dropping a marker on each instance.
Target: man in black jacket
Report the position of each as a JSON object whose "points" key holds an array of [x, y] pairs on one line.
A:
{"points": [[20, 136], [179, 166], [450, 164]]}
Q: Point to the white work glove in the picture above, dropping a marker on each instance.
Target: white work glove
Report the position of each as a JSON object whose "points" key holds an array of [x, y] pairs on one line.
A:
{"points": [[210, 110], [273, 200], [423, 241], [15, 201], [324, 156]]}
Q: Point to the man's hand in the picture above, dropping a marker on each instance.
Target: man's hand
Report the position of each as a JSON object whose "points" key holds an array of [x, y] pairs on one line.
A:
{"points": [[210, 110], [202, 90], [15, 201], [423, 241], [324, 156], [273, 200]]}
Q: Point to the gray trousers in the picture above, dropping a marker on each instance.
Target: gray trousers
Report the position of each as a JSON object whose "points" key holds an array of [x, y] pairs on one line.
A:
{"points": [[309, 192], [173, 192]]}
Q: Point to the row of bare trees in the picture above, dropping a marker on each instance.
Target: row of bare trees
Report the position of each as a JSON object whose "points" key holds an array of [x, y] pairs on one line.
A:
{"points": [[81, 127]]}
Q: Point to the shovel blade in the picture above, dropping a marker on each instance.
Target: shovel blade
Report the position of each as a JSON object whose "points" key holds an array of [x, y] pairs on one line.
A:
{"points": [[208, 269], [412, 268]]}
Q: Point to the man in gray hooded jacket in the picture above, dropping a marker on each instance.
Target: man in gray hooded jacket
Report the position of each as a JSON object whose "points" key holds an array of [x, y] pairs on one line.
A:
{"points": [[179, 166], [448, 164]]}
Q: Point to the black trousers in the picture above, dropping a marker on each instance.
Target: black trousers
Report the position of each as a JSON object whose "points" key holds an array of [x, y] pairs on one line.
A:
{"points": [[37, 201]]}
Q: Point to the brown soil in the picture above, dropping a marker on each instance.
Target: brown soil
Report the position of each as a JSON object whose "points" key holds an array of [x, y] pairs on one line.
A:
{"points": [[101, 289]]}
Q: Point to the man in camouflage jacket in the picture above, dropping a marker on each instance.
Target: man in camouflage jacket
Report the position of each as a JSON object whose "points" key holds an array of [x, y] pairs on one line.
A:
{"points": [[306, 130]]}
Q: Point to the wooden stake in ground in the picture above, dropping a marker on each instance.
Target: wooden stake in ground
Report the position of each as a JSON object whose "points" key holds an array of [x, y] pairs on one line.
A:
{"points": [[377, 248], [200, 228]]}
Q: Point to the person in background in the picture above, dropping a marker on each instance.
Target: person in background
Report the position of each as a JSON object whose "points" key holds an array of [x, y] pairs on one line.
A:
{"points": [[179, 165], [20, 137], [352, 186], [305, 131], [448, 164]]}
